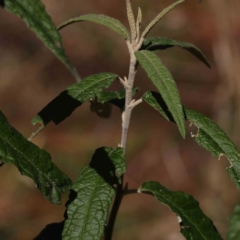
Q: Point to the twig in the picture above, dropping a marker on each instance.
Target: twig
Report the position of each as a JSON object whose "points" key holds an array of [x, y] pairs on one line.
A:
{"points": [[126, 116]]}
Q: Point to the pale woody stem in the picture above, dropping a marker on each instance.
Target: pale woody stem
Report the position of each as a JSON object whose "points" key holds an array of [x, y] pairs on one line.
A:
{"points": [[128, 99]]}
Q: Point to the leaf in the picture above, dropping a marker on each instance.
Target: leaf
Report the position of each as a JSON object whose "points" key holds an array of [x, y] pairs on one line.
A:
{"points": [[210, 136], [117, 157], [101, 105], [234, 230], [109, 164], [155, 100], [33, 13], [159, 17], [131, 20], [103, 97], [32, 161], [101, 19], [193, 222], [214, 139], [74, 96], [88, 212], [161, 43], [165, 84]]}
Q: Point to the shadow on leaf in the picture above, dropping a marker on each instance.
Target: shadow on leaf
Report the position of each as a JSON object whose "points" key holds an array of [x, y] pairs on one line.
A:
{"points": [[51, 231], [59, 108], [104, 166], [120, 103], [103, 110], [162, 104]]}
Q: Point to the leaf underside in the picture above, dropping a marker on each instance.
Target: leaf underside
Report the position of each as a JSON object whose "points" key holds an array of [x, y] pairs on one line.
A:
{"points": [[209, 135], [234, 230], [193, 222], [162, 43], [87, 213], [101, 19], [74, 96], [32, 161], [165, 84], [33, 13]]}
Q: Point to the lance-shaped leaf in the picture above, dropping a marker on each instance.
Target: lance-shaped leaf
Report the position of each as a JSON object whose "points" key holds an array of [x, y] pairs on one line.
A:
{"points": [[131, 20], [87, 213], [159, 17], [193, 222], [32, 161], [101, 19], [161, 43], [214, 139], [34, 14], [165, 84], [64, 104], [209, 135], [234, 230]]}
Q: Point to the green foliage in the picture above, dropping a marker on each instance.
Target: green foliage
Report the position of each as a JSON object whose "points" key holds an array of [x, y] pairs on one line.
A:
{"points": [[75, 95], [103, 97], [34, 14], [209, 135], [193, 222], [160, 16], [118, 159], [106, 21], [165, 84], [88, 211], [234, 230], [161, 43], [33, 162], [91, 195], [214, 139]]}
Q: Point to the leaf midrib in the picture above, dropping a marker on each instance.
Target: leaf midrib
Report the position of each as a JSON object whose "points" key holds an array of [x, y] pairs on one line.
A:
{"points": [[40, 26], [195, 226], [173, 105], [36, 168], [89, 86]]}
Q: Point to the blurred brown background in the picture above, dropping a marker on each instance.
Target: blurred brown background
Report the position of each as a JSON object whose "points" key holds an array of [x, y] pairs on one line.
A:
{"points": [[30, 77]]}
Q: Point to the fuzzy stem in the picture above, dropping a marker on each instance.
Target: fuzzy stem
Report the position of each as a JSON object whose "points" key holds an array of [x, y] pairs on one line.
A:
{"points": [[125, 126]]}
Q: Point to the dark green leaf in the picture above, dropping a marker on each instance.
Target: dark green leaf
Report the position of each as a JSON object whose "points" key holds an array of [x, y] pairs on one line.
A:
{"points": [[106, 21], [214, 139], [118, 159], [109, 164], [155, 100], [103, 97], [32, 161], [64, 104], [195, 225], [161, 43], [234, 229], [165, 84], [87, 213], [159, 17], [34, 14], [209, 135]]}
